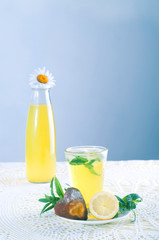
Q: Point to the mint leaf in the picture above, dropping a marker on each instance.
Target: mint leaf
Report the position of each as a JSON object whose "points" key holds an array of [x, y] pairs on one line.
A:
{"points": [[91, 161], [121, 201], [49, 198], [83, 161], [91, 169], [46, 205], [55, 200], [131, 205], [51, 186], [137, 201], [128, 203], [59, 189], [52, 200], [121, 212], [49, 208], [78, 161], [98, 159], [43, 200], [131, 200], [132, 197], [67, 187]]}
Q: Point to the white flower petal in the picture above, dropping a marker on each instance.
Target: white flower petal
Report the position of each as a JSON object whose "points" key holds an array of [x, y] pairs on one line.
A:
{"points": [[35, 83]]}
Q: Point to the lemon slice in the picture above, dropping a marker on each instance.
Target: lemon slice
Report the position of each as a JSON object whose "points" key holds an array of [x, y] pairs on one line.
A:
{"points": [[104, 205]]}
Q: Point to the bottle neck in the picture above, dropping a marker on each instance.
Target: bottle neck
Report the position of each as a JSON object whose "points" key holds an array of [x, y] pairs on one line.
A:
{"points": [[40, 97]]}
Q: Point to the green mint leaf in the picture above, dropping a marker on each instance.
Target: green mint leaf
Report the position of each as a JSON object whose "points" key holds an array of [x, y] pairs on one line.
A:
{"points": [[98, 159], [68, 184], [52, 200], [131, 205], [132, 197], [121, 212], [78, 161], [90, 166], [49, 198], [121, 201], [46, 205], [55, 200], [43, 200], [83, 161], [51, 186], [49, 208], [67, 187], [127, 204], [137, 201], [91, 161], [91, 169], [58, 187]]}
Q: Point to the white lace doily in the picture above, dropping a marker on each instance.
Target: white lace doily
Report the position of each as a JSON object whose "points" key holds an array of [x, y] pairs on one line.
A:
{"points": [[20, 210]]}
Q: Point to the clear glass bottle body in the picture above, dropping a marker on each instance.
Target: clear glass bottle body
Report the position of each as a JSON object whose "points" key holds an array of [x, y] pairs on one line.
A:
{"points": [[40, 138]]}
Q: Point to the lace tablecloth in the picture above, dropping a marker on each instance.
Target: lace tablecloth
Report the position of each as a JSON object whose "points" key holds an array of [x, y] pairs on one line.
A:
{"points": [[19, 206]]}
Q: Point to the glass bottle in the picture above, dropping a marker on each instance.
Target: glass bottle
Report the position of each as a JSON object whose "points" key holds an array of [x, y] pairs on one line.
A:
{"points": [[40, 137]]}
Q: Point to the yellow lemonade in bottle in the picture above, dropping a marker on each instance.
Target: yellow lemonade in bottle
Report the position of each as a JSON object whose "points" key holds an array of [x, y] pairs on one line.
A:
{"points": [[86, 167], [40, 144]]}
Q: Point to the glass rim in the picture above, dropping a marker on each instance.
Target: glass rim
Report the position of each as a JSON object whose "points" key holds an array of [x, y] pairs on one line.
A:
{"points": [[69, 150]]}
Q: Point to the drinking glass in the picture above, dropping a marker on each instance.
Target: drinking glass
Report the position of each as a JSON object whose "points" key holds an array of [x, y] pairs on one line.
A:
{"points": [[86, 166]]}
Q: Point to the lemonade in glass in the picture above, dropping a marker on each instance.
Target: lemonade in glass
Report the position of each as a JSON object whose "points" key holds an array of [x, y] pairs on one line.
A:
{"points": [[86, 168]]}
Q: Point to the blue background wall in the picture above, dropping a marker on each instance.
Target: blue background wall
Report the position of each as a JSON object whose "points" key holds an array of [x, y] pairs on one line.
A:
{"points": [[105, 59]]}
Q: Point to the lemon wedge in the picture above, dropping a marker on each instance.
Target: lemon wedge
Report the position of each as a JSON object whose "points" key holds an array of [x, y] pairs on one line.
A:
{"points": [[104, 205]]}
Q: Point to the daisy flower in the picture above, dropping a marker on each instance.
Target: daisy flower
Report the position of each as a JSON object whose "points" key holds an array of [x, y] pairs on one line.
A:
{"points": [[41, 78]]}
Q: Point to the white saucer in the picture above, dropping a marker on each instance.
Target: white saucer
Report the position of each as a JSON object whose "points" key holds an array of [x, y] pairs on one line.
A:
{"points": [[94, 221]]}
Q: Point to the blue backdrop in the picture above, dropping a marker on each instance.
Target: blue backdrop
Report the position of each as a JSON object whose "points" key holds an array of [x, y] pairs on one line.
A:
{"points": [[105, 59]]}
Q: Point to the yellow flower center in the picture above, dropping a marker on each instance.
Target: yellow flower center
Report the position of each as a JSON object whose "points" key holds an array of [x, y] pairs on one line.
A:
{"points": [[42, 78]]}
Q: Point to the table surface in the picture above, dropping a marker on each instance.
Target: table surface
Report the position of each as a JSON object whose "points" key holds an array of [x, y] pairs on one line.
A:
{"points": [[19, 206]]}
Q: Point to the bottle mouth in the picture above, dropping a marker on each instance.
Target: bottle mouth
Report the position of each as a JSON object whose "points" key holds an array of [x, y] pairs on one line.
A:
{"points": [[85, 150], [40, 88]]}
